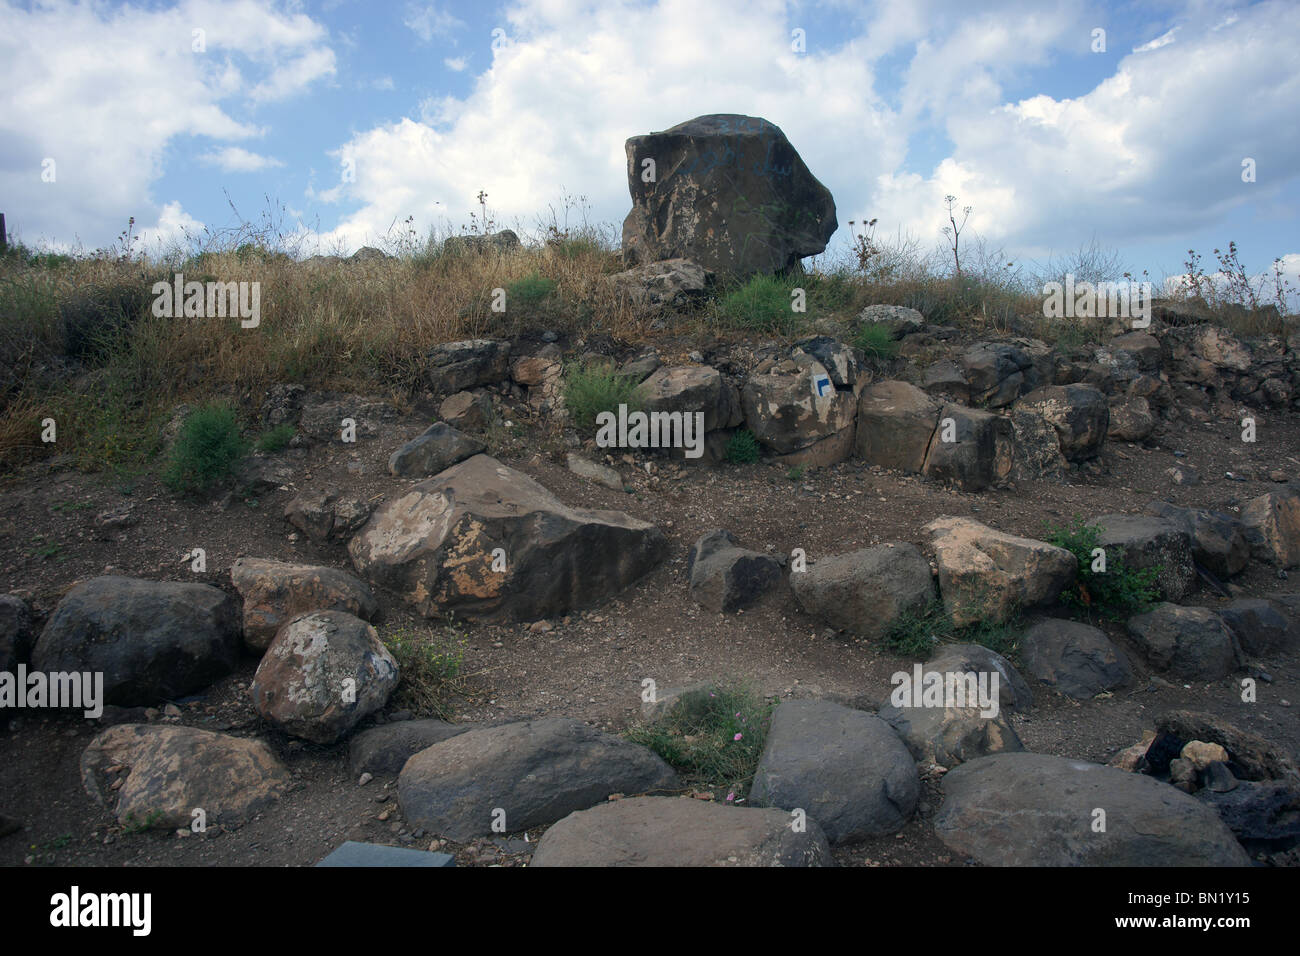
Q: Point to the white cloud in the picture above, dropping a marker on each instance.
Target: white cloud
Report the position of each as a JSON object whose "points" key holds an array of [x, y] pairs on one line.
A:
{"points": [[456, 64], [1163, 40], [105, 91], [235, 159], [430, 21]]}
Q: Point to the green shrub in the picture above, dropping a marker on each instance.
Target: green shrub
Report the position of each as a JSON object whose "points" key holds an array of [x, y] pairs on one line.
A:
{"points": [[743, 448], [916, 634], [714, 741], [277, 439], [763, 304], [208, 449], [590, 391], [528, 291], [430, 668], [97, 318], [875, 341], [1116, 593]]}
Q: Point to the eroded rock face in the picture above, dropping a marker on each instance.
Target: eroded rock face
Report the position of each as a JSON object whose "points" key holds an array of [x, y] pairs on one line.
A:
{"points": [[322, 674], [984, 573], [436, 546], [155, 775], [456, 366], [667, 831], [1023, 809], [726, 191]]}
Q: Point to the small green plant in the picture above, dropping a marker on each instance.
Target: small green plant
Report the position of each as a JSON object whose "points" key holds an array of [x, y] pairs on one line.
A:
{"points": [[1116, 592], [916, 633], [795, 472], [876, 342], [72, 506], [208, 449], [277, 439], [590, 391], [743, 448], [713, 738], [430, 667], [529, 291], [763, 304], [134, 824]]}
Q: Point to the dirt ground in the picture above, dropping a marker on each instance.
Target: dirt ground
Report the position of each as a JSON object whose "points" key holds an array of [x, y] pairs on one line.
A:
{"points": [[591, 664]]}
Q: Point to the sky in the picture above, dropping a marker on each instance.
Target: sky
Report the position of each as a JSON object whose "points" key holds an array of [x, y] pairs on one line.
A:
{"points": [[1059, 123]]}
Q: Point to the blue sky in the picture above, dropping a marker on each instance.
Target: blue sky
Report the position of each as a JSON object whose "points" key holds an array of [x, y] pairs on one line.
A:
{"points": [[892, 105]]}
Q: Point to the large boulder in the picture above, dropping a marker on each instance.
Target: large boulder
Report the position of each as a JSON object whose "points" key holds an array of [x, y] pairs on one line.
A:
{"points": [[725, 577], [525, 774], [1147, 541], [1259, 625], [274, 592], [1249, 757], [1131, 419], [846, 768], [949, 735], [726, 191], [1037, 447], [671, 283], [866, 591], [1218, 540], [322, 675], [689, 389], [1272, 526], [456, 366], [1190, 643], [1079, 413], [1076, 659], [327, 515], [152, 640], [437, 546], [899, 319], [662, 831], [896, 421], [962, 659], [151, 775], [985, 574], [386, 747], [435, 450], [1025, 809], [998, 373], [970, 449]]}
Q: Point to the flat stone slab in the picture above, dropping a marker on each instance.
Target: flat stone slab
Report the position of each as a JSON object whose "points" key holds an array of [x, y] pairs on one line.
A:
{"points": [[353, 853]]}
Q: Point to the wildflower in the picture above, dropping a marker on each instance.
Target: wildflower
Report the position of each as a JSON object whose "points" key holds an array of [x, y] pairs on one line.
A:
{"points": [[737, 737]]}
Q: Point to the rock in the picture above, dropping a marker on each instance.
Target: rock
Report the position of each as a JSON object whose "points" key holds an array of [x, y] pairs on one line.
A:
{"points": [[1250, 757], [1189, 643], [1146, 541], [1183, 475], [1024, 809], [152, 640], [840, 361], [728, 192], [672, 283], [896, 421], [328, 516], [457, 366], [946, 379], [368, 254], [1272, 527], [998, 373], [1264, 816], [594, 471], [472, 410], [1037, 448], [984, 574], [535, 771], [1200, 754], [282, 405], [323, 674], [846, 768], [260, 473], [1221, 349], [643, 366], [660, 831], [866, 591], [1079, 413], [1217, 777], [689, 389], [1013, 692], [499, 243], [965, 449], [16, 632], [387, 747], [725, 577], [900, 320], [1218, 539], [1144, 349], [1131, 419], [795, 405], [156, 775], [1259, 627], [1075, 659], [536, 370], [274, 592], [1133, 758], [438, 448], [949, 735], [322, 420], [437, 544]]}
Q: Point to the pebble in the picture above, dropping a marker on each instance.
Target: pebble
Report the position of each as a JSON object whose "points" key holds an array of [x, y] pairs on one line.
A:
{"points": [[365, 778]]}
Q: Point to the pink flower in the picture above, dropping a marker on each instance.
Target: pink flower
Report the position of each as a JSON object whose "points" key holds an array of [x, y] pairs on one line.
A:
{"points": [[731, 797], [737, 737]]}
